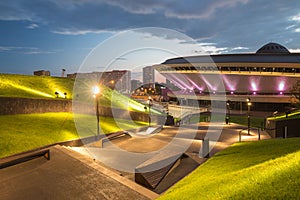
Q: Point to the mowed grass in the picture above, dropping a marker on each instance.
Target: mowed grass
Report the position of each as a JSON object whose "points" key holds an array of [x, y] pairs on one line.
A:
{"points": [[15, 85], [21, 133], [268, 169], [294, 115], [28, 86]]}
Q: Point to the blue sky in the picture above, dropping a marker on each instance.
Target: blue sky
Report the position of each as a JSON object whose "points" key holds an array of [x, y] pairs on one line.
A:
{"points": [[56, 34]]}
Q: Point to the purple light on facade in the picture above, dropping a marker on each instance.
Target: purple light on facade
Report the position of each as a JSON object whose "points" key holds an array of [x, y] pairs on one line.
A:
{"points": [[194, 84], [253, 86], [230, 84], [207, 82], [281, 86]]}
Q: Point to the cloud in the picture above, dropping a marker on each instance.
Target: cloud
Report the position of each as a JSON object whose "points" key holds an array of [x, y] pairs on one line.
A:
{"points": [[227, 23], [23, 50], [295, 17], [32, 26], [297, 30], [79, 32], [240, 48], [295, 50]]}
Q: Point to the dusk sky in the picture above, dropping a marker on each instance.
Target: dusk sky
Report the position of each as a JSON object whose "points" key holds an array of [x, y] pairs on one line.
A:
{"points": [[56, 34]]}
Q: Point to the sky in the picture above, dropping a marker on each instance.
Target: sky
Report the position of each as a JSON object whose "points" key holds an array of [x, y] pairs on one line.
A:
{"points": [[56, 34]]}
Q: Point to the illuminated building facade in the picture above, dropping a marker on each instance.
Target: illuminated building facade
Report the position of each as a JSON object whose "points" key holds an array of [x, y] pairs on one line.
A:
{"points": [[266, 76]]}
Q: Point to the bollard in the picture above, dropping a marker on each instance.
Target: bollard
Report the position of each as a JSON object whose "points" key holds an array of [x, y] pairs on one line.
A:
{"points": [[258, 134], [285, 132], [204, 153]]}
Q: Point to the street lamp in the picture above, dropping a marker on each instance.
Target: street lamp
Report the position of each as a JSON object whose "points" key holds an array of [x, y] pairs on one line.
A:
{"points": [[96, 94], [149, 105], [249, 104]]}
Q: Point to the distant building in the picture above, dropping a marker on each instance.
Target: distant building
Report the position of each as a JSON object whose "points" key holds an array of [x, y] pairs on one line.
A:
{"points": [[135, 84], [41, 73], [148, 75], [117, 79]]}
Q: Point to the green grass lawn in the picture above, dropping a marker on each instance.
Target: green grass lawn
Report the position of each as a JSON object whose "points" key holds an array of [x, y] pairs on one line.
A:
{"points": [[15, 85], [27, 86], [268, 169], [294, 115], [21, 133]]}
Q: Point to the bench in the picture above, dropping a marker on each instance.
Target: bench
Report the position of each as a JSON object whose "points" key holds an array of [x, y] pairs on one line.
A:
{"points": [[23, 157], [112, 136]]}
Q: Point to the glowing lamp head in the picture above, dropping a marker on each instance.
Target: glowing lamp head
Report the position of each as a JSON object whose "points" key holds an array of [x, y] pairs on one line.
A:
{"points": [[281, 93], [231, 92], [96, 90], [254, 93]]}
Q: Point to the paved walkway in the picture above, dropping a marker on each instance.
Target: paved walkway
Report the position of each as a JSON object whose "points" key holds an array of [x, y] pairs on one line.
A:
{"points": [[65, 177], [70, 175]]}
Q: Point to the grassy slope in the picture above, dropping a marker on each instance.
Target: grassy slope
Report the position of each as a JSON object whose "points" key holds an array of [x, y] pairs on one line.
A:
{"points": [[294, 115], [25, 132], [268, 169], [14, 85]]}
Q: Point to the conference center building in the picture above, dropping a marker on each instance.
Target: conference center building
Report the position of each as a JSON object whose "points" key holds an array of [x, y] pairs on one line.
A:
{"points": [[266, 77]]}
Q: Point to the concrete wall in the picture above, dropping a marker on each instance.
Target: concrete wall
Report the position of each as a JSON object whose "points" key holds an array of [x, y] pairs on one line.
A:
{"points": [[10, 106], [276, 129]]}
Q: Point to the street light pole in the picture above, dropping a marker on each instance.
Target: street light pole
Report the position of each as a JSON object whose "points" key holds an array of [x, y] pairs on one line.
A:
{"points": [[149, 105], [248, 118], [96, 92], [228, 112]]}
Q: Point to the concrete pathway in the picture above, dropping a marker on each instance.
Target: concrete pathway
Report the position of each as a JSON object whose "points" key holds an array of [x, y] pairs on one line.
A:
{"points": [[65, 177], [73, 175]]}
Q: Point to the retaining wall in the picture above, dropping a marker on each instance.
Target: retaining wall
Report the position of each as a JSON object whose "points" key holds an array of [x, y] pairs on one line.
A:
{"points": [[11, 106], [276, 129]]}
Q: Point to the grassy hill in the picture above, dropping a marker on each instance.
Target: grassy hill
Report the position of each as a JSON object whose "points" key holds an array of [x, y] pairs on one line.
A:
{"points": [[268, 169], [15, 85], [24, 132], [21, 133]]}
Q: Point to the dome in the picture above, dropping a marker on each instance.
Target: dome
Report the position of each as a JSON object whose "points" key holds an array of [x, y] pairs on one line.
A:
{"points": [[272, 48]]}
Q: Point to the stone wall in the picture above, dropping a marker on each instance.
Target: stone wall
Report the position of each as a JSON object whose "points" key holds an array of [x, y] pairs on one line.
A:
{"points": [[10, 106]]}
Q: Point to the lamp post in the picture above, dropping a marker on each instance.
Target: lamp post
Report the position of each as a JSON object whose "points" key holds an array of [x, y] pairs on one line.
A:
{"points": [[249, 105], [149, 105], [96, 94]]}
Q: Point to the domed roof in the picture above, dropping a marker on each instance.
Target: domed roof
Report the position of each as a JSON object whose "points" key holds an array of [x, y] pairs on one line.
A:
{"points": [[272, 48]]}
